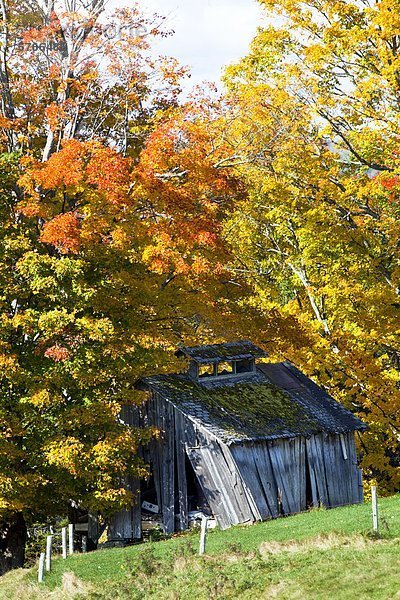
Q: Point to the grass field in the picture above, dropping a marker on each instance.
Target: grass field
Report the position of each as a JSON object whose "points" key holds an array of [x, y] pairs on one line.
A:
{"points": [[322, 554]]}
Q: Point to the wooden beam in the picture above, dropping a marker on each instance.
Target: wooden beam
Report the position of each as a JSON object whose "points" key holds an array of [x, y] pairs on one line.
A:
{"points": [[181, 469]]}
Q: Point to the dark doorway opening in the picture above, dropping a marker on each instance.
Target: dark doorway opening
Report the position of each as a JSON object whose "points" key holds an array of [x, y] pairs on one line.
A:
{"points": [[148, 492], [309, 494], [196, 498]]}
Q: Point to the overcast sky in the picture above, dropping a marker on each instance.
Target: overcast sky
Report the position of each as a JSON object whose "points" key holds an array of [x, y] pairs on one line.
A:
{"points": [[209, 34]]}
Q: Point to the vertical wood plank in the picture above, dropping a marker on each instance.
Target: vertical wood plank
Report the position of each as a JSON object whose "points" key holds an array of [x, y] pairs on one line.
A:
{"points": [[329, 464], [313, 481], [246, 504], [266, 476], [357, 485], [229, 480], [181, 469], [211, 455], [210, 488], [120, 527], [317, 464], [208, 474], [349, 470], [246, 463], [190, 434], [352, 468], [166, 412], [93, 527], [344, 446], [302, 474], [336, 471], [280, 454], [126, 524], [292, 465], [155, 448], [136, 510]]}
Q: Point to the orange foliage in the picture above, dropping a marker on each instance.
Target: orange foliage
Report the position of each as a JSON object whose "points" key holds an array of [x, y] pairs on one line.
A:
{"points": [[185, 194], [63, 169], [57, 353], [390, 182], [63, 233], [89, 164], [110, 173]]}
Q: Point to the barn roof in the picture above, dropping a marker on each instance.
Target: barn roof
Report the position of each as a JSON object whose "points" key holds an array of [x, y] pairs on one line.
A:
{"points": [[278, 401], [217, 352]]}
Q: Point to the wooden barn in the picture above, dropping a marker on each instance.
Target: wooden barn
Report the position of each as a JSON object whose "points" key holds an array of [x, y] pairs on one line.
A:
{"points": [[241, 441]]}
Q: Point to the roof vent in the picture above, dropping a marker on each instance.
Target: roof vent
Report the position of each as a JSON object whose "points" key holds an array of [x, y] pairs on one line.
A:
{"points": [[222, 361]]}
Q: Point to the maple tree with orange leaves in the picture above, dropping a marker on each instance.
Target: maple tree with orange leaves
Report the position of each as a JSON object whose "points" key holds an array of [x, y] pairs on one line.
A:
{"points": [[83, 313]]}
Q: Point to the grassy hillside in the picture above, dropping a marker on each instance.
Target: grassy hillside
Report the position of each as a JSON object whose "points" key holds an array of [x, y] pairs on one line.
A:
{"points": [[317, 555]]}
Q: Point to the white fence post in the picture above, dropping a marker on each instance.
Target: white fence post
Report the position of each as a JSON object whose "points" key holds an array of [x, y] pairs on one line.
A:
{"points": [[71, 538], [41, 567], [49, 541], [203, 534], [375, 509], [64, 542]]}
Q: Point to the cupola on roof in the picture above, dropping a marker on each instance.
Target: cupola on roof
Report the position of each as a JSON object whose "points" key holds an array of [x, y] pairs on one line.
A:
{"points": [[214, 353]]}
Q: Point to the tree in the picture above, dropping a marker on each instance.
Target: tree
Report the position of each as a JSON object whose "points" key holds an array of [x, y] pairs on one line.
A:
{"points": [[316, 124], [82, 314]]}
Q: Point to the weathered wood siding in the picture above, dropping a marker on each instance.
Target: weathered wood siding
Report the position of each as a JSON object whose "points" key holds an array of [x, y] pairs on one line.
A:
{"points": [[334, 473], [244, 482], [275, 472], [127, 524], [180, 452], [254, 466], [161, 414], [219, 478]]}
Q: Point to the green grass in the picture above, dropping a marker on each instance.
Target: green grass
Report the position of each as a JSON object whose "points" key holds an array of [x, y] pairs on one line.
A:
{"points": [[322, 554]]}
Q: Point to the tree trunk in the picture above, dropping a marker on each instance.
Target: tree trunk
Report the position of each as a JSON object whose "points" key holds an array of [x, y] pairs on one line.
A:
{"points": [[13, 537]]}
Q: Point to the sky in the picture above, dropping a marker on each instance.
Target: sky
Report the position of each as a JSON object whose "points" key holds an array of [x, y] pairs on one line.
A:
{"points": [[209, 34]]}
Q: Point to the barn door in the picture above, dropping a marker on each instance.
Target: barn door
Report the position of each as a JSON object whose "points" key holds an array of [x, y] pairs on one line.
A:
{"points": [[210, 482]]}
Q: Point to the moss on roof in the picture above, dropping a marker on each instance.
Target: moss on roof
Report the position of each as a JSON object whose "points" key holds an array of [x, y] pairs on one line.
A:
{"points": [[244, 410], [276, 401], [258, 403]]}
